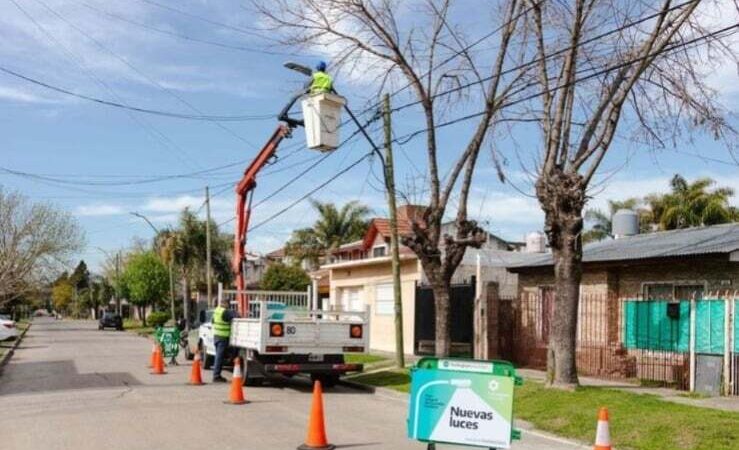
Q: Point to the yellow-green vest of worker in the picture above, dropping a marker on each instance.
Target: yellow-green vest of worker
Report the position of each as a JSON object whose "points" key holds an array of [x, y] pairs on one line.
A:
{"points": [[322, 82], [221, 328]]}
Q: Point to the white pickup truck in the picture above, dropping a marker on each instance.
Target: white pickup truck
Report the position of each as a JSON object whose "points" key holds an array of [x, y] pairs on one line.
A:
{"points": [[282, 335]]}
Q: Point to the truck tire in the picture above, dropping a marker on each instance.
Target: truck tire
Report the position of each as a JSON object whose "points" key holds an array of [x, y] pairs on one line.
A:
{"points": [[247, 369], [189, 355], [208, 360]]}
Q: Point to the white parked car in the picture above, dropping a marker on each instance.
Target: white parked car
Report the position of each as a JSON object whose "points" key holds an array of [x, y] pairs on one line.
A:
{"points": [[8, 330]]}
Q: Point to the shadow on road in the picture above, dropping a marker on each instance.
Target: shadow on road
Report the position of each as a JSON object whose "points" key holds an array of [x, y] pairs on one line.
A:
{"points": [[59, 376]]}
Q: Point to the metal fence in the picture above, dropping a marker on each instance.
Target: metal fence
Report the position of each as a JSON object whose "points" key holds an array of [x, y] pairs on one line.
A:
{"points": [[633, 338]]}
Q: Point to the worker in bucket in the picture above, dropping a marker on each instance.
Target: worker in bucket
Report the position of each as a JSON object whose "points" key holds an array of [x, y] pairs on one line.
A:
{"points": [[222, 317], [322, 82]]}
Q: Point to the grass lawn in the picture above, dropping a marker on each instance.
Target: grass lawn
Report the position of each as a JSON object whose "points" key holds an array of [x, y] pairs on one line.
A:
{"points": [[135, 326], [361, 358], [643, 422]]}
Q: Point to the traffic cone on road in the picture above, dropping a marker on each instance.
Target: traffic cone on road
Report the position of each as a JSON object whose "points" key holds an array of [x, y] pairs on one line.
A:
{"points": [[316, 437], [158, 363], [153, 355], [602, 435], [195, 375], [236, 395]]}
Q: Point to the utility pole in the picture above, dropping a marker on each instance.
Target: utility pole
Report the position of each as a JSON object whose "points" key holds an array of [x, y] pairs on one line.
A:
{"points": [[117, 281], [208, 268], [394, 244]]}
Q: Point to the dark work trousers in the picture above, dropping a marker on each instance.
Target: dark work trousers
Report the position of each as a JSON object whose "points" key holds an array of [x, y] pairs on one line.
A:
{"points": [[220, 344]]}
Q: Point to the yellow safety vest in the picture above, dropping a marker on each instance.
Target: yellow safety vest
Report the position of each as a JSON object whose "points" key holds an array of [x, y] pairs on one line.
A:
{"points": [[221, 328], [322, 82]]}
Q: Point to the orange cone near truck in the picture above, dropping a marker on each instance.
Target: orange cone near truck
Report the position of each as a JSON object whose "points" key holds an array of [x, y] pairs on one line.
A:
{"points": [[236, 394], [316, 437]]}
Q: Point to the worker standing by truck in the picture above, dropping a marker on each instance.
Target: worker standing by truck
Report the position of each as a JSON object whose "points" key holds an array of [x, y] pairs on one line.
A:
{"points": [[222, 317]]}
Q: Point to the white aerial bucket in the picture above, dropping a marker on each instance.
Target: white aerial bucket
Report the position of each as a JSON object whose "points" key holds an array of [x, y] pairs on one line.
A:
{"points": [[322, 116]]}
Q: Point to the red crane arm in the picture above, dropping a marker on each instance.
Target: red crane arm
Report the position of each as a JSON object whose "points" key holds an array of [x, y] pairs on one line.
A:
{"points": [[244, 191]]}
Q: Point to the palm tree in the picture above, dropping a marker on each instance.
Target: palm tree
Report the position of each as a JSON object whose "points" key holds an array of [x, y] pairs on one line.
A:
{"points": [[692, 204], [333, 228], [188, 252], [165, 243], [602, 226]]}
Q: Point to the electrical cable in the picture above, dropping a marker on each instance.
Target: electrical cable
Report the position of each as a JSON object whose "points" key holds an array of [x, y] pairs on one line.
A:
{"points": [[141, 73], [171, 114], [182, 36], [677, 46]]}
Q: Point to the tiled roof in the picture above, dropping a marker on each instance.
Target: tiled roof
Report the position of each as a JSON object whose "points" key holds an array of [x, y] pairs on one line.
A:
{"points": [[717, 239]]}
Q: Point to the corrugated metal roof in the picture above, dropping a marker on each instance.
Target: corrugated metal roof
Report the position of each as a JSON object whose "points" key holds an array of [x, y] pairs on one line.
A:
{"points": [[717, 239]]}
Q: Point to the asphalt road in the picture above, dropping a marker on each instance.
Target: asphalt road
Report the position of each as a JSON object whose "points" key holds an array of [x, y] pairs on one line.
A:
{"points": [[70, 386]]}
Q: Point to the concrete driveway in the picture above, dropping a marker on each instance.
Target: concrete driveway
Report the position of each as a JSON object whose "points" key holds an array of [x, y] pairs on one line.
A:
{"points": [[70, 386]]}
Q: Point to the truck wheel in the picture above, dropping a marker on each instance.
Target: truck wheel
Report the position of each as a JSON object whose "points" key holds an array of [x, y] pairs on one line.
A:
{"points": [[189, 355], [208, 361], [249, 378]]}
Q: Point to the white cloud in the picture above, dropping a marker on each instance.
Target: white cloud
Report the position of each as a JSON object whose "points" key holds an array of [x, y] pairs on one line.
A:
{"points": [[99, 210], [21, 95]]}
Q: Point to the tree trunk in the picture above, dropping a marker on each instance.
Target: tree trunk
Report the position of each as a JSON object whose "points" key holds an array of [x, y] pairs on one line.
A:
{"points": [[562, 197], [443, 319], [186, 301], [142, 313], [561, 361]]}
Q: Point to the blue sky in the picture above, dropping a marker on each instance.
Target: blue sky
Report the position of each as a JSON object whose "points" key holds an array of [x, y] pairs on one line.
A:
{"points": [[115, 152]]}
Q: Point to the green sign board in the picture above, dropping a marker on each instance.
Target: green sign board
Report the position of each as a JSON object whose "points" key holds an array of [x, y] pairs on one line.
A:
{"points": [[460, 401], [169, 339]]}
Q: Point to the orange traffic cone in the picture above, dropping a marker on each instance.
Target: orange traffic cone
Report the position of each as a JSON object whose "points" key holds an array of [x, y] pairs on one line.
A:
{"points": [[153, 355], [236, 395], [316, 437], [158, 363], [602, 435], [195, 375]]}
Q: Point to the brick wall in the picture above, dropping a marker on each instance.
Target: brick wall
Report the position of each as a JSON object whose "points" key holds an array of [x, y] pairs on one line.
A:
{"points": [[626, 280]]}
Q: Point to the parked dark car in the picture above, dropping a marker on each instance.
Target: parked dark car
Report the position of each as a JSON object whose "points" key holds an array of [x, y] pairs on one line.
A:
{"points": [[110, 320]]}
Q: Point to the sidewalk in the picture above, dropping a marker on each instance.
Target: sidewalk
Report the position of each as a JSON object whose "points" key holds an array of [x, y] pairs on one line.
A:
{"points": [[671, 395]]}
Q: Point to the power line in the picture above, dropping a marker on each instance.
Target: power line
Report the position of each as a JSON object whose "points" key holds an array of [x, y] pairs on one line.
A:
{"points": [[181, 35], [311, 192], [203, 19], [549, 56], [139, 72], [175, 115], [80, 63], [677, 46]]}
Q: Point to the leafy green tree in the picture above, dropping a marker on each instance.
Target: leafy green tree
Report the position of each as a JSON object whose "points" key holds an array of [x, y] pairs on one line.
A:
{"points": [[692, 204], [334, 227], [280, 277], [62, 294], [147, 281]]}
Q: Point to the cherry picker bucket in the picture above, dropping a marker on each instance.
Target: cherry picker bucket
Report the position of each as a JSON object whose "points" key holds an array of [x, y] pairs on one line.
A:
{"points": [[322, 116]]}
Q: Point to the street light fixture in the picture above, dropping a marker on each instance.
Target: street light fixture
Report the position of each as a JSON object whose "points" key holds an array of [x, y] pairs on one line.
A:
{"points": [[171, 274]]}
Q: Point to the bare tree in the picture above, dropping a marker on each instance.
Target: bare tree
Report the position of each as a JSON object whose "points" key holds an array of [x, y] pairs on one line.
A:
{"points": [[36, 241], [645, 79], [409, 43]]}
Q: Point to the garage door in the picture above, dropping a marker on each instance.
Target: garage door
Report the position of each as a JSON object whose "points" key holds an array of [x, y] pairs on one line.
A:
{"points": [[351, 299]]}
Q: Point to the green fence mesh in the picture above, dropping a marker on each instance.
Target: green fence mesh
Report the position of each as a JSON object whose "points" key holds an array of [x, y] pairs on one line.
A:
{"points": [[648, 326]]}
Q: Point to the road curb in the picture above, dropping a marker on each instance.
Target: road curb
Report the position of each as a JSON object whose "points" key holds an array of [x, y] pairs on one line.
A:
{"points": [[9, 354], [525, 426]]}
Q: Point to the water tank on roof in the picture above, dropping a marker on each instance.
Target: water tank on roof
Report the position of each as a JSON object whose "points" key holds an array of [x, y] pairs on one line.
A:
{"points": [[536, 242], [625, 223]]}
